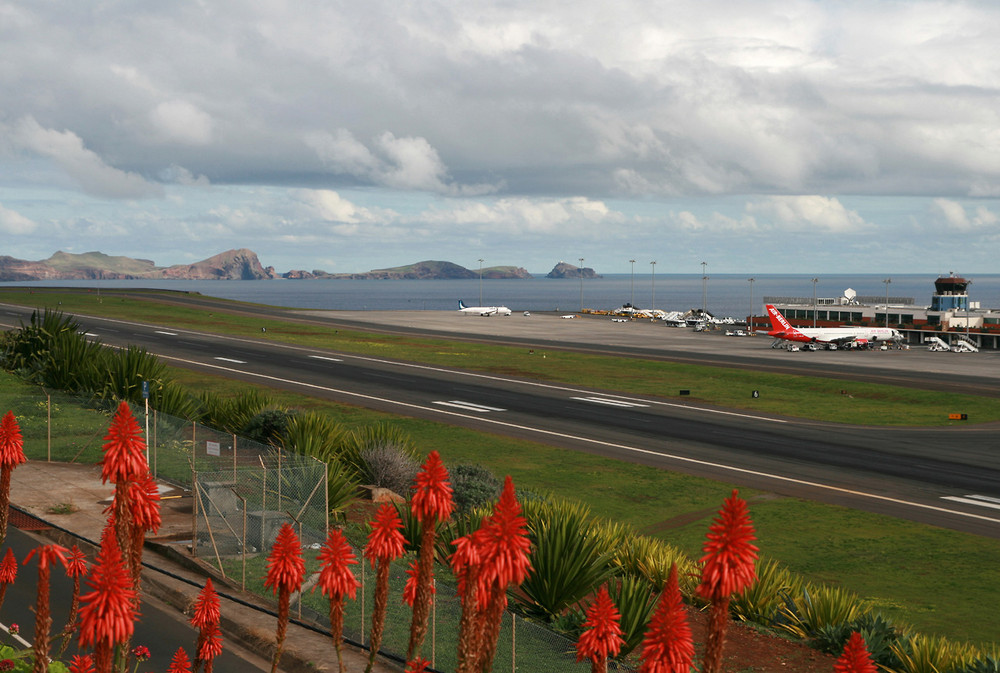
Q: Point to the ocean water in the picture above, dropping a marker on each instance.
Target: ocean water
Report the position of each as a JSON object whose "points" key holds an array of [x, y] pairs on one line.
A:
{"points": [[724, 295]]}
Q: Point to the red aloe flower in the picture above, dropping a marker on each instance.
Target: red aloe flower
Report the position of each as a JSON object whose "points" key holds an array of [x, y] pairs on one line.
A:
{"points": [[729, 551], [82, 664], [210, 647], [418, 665], [504, 542], [432, 493], [336, 581], [385, 544], [729, 567], [602, 635], [107, 614], [8, 572], [410, 590], [668, 646], [76, 568], [285, 570], [124, 449], [180, 663], [206, 607], [855, 658], [431, 503], [503, 547], [11, 455], [205, 616], [47, 555]]}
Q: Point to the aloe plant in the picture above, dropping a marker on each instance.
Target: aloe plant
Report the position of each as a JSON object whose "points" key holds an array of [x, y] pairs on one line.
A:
{"points": [[568, 561], [816, 607], [762, 601]]}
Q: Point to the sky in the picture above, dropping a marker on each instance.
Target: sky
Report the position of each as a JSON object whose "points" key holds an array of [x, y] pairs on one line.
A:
{"points": [[757, 136]]}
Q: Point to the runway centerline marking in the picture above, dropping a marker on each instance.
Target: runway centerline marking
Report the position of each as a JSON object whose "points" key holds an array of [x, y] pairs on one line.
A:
{"points": [[159, 331], [609, 402], [468, 406], [239, 362], [598, 442], [978, 500], [323, 357]]}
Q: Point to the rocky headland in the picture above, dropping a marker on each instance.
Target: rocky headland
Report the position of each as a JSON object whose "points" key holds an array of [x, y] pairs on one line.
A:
{"points": [[243, 264]]}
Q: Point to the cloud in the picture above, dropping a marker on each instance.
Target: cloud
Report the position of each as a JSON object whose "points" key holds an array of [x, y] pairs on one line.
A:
{"points": [[528, 217], [807, 213], [398, 163], [13, 223], [181, 122], [329, 206], [953, 215], [83, 165]]}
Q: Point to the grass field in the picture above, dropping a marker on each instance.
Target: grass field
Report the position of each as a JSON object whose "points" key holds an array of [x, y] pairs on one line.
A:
{"points": [[939, 581]]}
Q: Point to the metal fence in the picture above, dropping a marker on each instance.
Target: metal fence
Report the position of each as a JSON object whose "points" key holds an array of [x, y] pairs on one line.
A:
{"points": [[245, 491]]}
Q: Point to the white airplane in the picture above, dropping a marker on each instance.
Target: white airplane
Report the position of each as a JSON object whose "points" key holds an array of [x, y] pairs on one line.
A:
{"points": [[482, 310], [831, 336]]}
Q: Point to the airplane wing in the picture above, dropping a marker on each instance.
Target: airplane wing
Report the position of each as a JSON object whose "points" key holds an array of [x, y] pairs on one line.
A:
{"points": [[841, 340]]}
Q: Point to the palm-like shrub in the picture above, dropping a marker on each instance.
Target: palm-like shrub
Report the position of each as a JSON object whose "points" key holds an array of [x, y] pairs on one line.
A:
{"points": [[568, 561], [172, 398], [762, 601], [269, 426], [635, 599], [125, 372], [879, 634], [23, 348], [234, 414], [72, 363], [930, 654], [817, 607], [648, 557]]}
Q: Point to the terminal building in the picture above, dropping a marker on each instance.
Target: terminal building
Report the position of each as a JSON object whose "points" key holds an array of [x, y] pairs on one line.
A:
{"points": [[950, 315]]}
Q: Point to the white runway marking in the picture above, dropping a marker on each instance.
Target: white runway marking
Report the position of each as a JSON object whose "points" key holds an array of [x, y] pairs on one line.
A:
{"points": [[159, 331], [239, 362], [320, 357], [981, 500], [610, 403], [469, 406]]}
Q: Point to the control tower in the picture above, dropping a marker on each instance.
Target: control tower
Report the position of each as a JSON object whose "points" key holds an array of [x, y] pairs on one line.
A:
{"points": [[951, 293]]}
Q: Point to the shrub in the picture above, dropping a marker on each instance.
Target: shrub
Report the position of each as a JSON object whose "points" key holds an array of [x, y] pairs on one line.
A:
{"points": [[269, 426], [388, 467], [473, 486], [763, 600], [816, 607]]}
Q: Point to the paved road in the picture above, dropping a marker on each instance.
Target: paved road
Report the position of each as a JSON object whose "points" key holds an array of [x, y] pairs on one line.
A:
{"points": [[161, 628], [903, 472]]}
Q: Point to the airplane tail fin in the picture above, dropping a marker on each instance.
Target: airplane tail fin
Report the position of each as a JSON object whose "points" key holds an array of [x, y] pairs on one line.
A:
{"points": [[778, 321], [461, 305]]}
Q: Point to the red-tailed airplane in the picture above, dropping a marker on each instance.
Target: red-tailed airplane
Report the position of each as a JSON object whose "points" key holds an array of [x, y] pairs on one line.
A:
{"points": [[835, 336]]}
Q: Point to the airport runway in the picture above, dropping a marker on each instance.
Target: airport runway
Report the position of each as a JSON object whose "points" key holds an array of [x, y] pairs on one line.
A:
{"points": [[911, 473]]}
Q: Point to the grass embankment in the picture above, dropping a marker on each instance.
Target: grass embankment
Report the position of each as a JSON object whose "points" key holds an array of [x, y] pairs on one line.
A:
{"points": [[797, 396], [939, 581]]}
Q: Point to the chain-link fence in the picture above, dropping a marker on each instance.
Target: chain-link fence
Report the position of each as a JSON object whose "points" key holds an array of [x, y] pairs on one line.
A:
{"points": [[245, 491]]}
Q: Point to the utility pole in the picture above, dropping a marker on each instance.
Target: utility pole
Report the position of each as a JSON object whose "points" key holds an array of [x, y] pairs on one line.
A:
{"points": [[652, 280], [631, 294], [750, 330], [581, 285], [704, 289], [814, 281], [887, 281], [480, 281]]}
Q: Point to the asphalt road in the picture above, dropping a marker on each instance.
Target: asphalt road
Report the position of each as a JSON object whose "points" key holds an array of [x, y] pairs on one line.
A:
{"points": [[902, 472], [162, 629]]}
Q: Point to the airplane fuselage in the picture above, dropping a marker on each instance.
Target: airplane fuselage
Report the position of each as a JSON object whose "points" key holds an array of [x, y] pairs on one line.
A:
{"points": [[782, 329]]}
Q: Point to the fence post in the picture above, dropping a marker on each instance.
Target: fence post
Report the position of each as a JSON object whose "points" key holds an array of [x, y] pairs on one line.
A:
{"points": [[48, 425], [155, 448], [513, 644], [434, 613], [234, 456], [194, 513]]}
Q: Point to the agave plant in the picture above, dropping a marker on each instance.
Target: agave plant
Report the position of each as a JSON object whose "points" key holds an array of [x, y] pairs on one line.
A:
{"points": [[636, 599], [817, 607], [651, 559], [879, 634], [233, 414], [763, 600], [171, 398], [568, 561], [23, 348], [125, 372], [930, 654]]}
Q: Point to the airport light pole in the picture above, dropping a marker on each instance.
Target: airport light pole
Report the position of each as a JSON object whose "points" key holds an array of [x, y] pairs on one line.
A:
{"points": [[814, 281], [704, 288], [631, 292], [652, 285], [887, 281], [581, 285], [480, 281], [751, 279]]}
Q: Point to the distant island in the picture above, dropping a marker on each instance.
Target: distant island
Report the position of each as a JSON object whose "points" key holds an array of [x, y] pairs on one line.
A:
{"points": [[243, 264]]}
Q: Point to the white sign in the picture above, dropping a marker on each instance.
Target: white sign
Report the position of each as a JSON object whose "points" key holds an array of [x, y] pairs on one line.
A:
{"points": [[212, 448]]}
